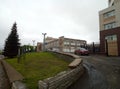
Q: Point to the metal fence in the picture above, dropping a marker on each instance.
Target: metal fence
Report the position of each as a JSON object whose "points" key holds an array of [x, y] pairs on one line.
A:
{"points": [[93, 47]]}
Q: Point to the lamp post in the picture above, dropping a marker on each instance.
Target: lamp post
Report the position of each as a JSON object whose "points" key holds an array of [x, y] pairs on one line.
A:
{"points": [[44, 41], [33, 45]]}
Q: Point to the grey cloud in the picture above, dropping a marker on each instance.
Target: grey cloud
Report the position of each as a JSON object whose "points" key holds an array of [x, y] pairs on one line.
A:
{"points": [[71, 18]]}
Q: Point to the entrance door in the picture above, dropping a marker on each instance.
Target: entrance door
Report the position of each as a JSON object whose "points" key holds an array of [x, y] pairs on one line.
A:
{"points": [[112, 48], [111, 45]]}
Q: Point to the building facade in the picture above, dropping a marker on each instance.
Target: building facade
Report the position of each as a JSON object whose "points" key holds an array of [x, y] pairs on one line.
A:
{"points": [[110, 28], [63, 44], [39, 47]]}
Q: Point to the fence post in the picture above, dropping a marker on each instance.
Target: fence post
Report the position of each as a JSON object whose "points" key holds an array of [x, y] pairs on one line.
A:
{"points": [[93, 47]]}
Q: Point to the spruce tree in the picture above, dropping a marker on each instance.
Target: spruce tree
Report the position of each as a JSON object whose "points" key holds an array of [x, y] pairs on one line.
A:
{"points": [[12, 43]]}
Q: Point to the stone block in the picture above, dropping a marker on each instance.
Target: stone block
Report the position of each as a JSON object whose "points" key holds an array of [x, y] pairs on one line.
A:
{"points": [[18, 85], [75, 63], [42, 85]]}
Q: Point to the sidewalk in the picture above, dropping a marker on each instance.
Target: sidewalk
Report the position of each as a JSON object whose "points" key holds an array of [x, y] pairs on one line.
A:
{"points": [[1, 57], [3, 78]]}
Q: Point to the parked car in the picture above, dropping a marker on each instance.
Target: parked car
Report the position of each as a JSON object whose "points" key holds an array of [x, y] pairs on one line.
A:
{"points": [[81, 51]]}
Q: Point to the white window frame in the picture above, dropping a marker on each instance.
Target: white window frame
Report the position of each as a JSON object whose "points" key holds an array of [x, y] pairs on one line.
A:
{"points": [[109, 14], [110, 25], [111, 38]]}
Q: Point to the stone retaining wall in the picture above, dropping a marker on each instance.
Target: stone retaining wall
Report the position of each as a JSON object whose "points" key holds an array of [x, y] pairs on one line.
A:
{"points": [[60, 81], [64, 79], [66, 56]]}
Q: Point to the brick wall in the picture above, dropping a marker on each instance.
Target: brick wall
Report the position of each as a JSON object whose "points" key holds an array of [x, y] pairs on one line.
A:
{"points": [[104, 33]]}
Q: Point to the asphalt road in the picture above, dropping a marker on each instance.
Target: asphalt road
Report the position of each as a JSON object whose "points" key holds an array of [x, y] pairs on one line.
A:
{"points": [[101, 73]]}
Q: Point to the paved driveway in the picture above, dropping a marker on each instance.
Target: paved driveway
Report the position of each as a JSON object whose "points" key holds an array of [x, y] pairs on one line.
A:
{"points": [[101, 73]]}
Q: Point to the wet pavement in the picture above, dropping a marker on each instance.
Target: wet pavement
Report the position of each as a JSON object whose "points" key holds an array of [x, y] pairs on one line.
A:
{"points": [[101, 73]]}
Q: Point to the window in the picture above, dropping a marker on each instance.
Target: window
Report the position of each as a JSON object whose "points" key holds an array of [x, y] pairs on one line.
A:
{"points": [[72, 49], [72, 43], [66, 50], [110, 25], [111, 38], [109, 14], [78, 44], [112, 4], [66, 43]]}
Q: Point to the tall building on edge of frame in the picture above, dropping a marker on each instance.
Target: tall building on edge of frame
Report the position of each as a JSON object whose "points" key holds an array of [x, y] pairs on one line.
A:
{"points": [[110, 28]]}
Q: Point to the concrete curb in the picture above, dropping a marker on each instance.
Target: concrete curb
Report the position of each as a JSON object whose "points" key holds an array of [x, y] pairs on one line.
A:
{"points": [[13, 76]]}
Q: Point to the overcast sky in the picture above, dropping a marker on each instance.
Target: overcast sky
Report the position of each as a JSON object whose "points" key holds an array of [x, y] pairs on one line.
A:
{"points": [[77, 19]]}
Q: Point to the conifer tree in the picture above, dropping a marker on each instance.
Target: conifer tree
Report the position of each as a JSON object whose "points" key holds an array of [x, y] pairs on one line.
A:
{"points": [[12, 43]]}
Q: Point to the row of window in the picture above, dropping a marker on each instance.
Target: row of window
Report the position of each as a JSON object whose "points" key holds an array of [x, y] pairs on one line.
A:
{"points": [[68, 50], [111, 38], [68, 43], [110, 25], [109, 14]]}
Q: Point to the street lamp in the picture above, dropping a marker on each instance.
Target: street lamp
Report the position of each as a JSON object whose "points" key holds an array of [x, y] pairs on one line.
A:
{"points": [[33, 45], [44, 41]]}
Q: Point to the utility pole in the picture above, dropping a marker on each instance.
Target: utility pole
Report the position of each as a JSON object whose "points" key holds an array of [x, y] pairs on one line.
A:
{"points": [[33, 45], [44, 41]]}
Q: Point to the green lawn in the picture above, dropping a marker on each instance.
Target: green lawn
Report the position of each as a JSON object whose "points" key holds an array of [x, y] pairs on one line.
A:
{"points": [[0, 52], [38, 66]]}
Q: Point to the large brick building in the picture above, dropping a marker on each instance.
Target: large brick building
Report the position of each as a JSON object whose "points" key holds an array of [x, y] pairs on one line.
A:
{"points": [[110, 28]]}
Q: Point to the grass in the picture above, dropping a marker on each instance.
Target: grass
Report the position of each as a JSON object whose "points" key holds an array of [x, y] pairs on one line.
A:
{"points": [[0, 52], [38, 66]]}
